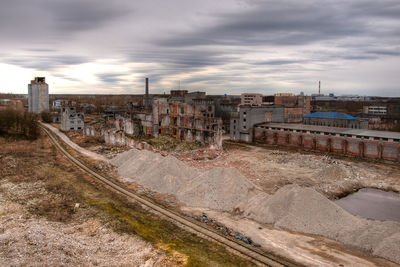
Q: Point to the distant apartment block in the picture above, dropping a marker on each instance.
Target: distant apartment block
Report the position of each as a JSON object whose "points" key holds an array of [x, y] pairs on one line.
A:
{"points": [[59, 103], [71, 119], [38, 95], [251, 99], [375, 110], [278, 108]]}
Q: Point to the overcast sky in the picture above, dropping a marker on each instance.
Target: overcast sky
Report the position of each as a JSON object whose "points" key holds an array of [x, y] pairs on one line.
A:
{"points": [[224, 46]]}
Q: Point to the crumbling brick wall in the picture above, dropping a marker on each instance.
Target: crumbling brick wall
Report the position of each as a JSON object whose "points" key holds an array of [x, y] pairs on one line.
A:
{"points": [[349, 146]]}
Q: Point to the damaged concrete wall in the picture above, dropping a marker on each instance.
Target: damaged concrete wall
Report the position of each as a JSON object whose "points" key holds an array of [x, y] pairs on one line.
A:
{"points": [[345, 145]]}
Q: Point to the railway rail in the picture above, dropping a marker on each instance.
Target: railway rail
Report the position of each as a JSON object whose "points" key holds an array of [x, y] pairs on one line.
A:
{"points": [[254, 254]]}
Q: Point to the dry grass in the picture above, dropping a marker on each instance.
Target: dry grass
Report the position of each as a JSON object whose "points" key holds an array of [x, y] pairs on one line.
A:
{"points": [[37, 162]]}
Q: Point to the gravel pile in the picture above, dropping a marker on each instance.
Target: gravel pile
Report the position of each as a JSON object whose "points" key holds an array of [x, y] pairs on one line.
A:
{"points": [[305, 210], [292, 207], [152, 170], [219, 188]]}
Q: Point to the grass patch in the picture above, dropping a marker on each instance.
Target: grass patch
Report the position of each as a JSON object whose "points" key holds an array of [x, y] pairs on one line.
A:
{"points": [[167, 143]]}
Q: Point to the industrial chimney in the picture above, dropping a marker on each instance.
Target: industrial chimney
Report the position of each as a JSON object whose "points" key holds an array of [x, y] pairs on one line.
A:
{"points": [[146, 96], [319, 88]]}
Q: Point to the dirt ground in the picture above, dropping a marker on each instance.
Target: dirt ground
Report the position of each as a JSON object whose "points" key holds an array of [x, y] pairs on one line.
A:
{"points": [[43, 224], [271, 168], [53, 215], [309, 250]]}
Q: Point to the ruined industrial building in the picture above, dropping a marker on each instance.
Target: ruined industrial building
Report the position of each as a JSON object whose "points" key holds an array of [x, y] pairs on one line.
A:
{"points": [[186, 116], [278, 108], [71, 119]]}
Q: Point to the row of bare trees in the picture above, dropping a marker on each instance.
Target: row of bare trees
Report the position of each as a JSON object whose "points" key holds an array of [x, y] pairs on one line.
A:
{"points": [[19, 123]]}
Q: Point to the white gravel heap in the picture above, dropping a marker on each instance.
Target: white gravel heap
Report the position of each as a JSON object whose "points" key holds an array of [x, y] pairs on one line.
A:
{"points": [[305, 210], [291, 207], [219, 188], [152, 170]]}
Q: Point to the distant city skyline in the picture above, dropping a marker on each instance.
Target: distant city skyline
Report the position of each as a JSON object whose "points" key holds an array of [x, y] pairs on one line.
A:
{"points": [[223, 47]]}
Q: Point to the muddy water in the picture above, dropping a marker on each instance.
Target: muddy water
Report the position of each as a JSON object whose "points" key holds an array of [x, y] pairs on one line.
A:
{"points": [[372, 204]]}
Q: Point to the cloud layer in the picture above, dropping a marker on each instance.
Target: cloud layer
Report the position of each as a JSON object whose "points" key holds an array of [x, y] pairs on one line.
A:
{"points": [[231, 46]]}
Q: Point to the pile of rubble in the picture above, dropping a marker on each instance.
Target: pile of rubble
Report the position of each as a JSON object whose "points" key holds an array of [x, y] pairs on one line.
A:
{"points": [[219, 188], [227, 231], [305, 210], [291, 207]]}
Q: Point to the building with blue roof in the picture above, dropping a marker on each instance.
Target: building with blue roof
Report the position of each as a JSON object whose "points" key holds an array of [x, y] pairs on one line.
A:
{"points": [[335, 119]]}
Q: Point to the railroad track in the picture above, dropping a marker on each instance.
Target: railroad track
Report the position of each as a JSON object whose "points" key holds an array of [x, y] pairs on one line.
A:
{"points": [[257, 256]]}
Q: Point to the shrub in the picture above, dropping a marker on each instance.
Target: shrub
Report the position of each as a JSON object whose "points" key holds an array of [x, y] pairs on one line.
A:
{"points": [[19, 123], [46, 116]]}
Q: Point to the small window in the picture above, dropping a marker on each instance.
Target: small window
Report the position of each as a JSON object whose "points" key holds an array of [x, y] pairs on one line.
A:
{"points": [[79, 128], [244, 120], [385, 139], [244, 127], [244, 113], [72, 128]]}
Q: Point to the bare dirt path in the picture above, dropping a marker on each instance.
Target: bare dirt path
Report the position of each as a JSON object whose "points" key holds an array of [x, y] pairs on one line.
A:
{"points": [[80, 149]]}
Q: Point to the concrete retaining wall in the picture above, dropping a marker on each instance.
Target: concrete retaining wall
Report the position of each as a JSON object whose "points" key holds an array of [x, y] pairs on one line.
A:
{"points": [[349, 146]]}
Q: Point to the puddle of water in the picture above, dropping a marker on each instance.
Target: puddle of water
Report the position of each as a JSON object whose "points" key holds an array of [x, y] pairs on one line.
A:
{"points": [[372, 204]]}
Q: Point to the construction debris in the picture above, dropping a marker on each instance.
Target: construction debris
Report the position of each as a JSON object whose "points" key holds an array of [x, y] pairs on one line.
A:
{"points": [[291, 207]]}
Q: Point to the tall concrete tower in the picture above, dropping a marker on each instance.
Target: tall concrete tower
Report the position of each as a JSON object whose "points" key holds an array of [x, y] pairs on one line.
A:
{"points": [[38, 91]]}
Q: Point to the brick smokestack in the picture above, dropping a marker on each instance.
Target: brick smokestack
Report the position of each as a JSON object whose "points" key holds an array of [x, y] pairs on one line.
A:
{"points": [[147, 87], [319, 88], [146, 96]]}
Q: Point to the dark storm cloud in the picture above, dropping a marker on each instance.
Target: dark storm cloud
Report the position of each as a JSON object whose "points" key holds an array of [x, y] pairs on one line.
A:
{"points": [[279, 62], [43, 20], [73, 15], [394, 52], [204, 44], [182, 57], [110, 77], [46, 63], [292, 23]]}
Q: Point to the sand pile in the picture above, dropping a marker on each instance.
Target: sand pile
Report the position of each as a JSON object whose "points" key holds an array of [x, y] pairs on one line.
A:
{"points": [[152, 170], [305, 210], [219, 188], [292, 207]]}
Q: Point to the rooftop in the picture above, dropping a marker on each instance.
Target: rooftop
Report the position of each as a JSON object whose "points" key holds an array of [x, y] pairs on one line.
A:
{"points": [[330, 115]]}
